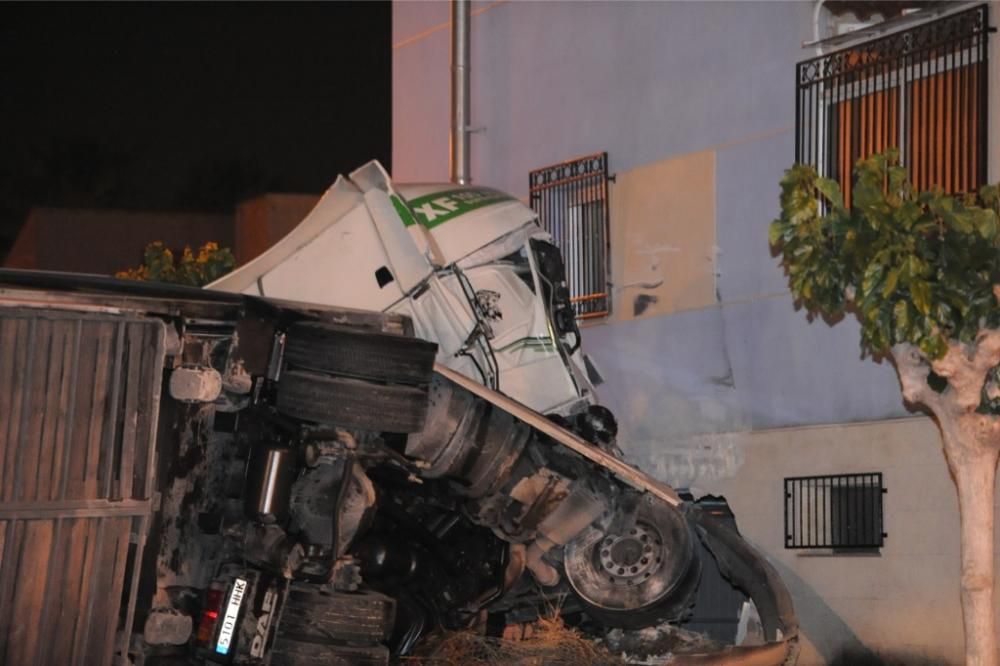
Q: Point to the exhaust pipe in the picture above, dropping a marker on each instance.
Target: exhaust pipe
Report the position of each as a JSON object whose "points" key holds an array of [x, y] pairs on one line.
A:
{"points": [[460, 91]]}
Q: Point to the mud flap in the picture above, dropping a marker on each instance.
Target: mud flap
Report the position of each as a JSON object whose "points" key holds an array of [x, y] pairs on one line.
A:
{"points": [[747, 569]]}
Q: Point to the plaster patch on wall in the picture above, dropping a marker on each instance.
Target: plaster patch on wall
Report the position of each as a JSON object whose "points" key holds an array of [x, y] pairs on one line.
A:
{"points": [[654, 256], [663, 233]]}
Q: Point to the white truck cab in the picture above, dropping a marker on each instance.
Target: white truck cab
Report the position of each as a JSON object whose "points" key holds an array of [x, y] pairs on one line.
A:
{"points": [[470, 265]]}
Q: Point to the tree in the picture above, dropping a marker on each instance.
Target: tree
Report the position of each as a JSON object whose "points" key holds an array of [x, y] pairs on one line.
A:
{"points": [[158, 265], [921, 271]]}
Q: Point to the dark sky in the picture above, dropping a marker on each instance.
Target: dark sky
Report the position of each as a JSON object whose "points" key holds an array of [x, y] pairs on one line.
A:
{"points": [[186, 106]]}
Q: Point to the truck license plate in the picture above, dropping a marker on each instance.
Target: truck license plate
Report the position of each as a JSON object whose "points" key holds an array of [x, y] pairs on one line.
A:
{"points": [[229, 619]]}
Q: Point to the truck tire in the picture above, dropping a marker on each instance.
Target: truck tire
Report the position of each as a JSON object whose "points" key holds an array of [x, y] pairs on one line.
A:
{"points": [[360, 618], [641, 577], [351, 403], [377, 356]]}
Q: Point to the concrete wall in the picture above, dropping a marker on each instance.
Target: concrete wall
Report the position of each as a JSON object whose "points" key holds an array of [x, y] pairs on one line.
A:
{"points": [[263, 221], [107, 241], [903, 602]]}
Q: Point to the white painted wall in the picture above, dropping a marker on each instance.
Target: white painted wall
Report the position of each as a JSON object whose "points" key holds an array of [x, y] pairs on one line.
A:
{"points": [[904, 601], [553, 80]]}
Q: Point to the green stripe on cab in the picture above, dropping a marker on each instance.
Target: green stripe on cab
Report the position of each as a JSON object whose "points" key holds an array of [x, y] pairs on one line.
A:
{"points": [[431, 210]]}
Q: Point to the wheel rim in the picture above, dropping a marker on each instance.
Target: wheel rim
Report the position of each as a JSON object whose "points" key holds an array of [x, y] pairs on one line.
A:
{"points": [[637, 569], [633, 556]]}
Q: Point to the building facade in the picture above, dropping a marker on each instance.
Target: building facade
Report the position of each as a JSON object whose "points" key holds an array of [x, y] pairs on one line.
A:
{"points": [[718, 380]]}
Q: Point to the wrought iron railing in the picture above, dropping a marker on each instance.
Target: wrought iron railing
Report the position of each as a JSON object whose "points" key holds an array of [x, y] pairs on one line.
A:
{"points": [[923, 90], [842, 511], [571, 199]]}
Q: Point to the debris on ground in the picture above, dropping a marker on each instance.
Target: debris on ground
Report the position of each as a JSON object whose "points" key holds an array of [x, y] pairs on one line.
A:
{"points": [[547, 641], [656, 645]]}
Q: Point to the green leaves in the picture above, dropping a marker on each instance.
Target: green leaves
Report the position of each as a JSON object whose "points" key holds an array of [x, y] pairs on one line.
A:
{"points": [[921, 293], [830, 189], [920, 266], [902, 318], [891, 280], [774, 233]]}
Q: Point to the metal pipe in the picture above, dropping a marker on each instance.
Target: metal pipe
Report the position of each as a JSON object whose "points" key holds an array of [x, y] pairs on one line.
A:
{"points": [[460, 91]]}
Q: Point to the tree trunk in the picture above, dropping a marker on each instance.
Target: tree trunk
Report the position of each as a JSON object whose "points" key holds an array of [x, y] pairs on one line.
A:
{"points": [[975, 477], [972, 447]]}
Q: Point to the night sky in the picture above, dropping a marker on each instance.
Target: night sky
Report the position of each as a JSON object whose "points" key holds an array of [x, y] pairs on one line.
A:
{"points": [[186, 106]]}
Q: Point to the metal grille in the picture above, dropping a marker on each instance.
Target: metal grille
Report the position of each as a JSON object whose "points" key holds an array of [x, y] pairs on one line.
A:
{"points": [[571, 200], [79, 398], [839, 511], [922, 90]]}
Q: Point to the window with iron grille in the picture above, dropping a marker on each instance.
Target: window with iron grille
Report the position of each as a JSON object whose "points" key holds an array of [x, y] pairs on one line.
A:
{"points": [[923, 90], [842, 511], [571, 199]]}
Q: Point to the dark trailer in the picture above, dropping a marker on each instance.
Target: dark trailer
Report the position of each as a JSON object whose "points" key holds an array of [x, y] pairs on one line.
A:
{"points": [[117, 410]]}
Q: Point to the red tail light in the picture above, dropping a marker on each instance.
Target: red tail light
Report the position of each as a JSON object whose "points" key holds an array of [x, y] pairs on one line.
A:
{"points": [[209, 616]]}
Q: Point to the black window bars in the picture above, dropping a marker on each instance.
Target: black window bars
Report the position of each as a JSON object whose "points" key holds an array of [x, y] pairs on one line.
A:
{"points": [[923, 90], [841, 511], [571, 199]]}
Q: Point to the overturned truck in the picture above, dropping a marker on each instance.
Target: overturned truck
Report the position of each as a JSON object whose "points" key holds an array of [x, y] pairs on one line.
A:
{"points": [[476, 274], [213, 477]]}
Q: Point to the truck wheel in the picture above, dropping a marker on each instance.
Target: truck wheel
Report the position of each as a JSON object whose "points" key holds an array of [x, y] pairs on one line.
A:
{"points": [[377, 356], [351, 403], [360, 618], [641, 577]]}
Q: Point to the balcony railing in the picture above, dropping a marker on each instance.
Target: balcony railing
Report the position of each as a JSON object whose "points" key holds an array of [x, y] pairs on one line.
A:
{"points": [[923, 90]]}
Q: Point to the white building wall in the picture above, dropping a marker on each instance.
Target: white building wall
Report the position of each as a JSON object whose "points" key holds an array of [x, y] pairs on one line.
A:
{"points": [[903, 602]]}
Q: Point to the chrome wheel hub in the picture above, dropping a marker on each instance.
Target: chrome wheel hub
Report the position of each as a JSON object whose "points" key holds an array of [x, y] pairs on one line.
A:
{"points": [[630, 556]]}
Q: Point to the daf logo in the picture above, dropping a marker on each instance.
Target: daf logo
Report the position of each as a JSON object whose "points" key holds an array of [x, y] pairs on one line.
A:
{"points": [[264, 623]]}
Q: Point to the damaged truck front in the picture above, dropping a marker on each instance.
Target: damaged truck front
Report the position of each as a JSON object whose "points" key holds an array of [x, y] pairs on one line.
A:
{"points": [[209, 477]]}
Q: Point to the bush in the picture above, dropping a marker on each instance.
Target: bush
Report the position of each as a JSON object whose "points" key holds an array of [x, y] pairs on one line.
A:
{"points": [[160, 265]]}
